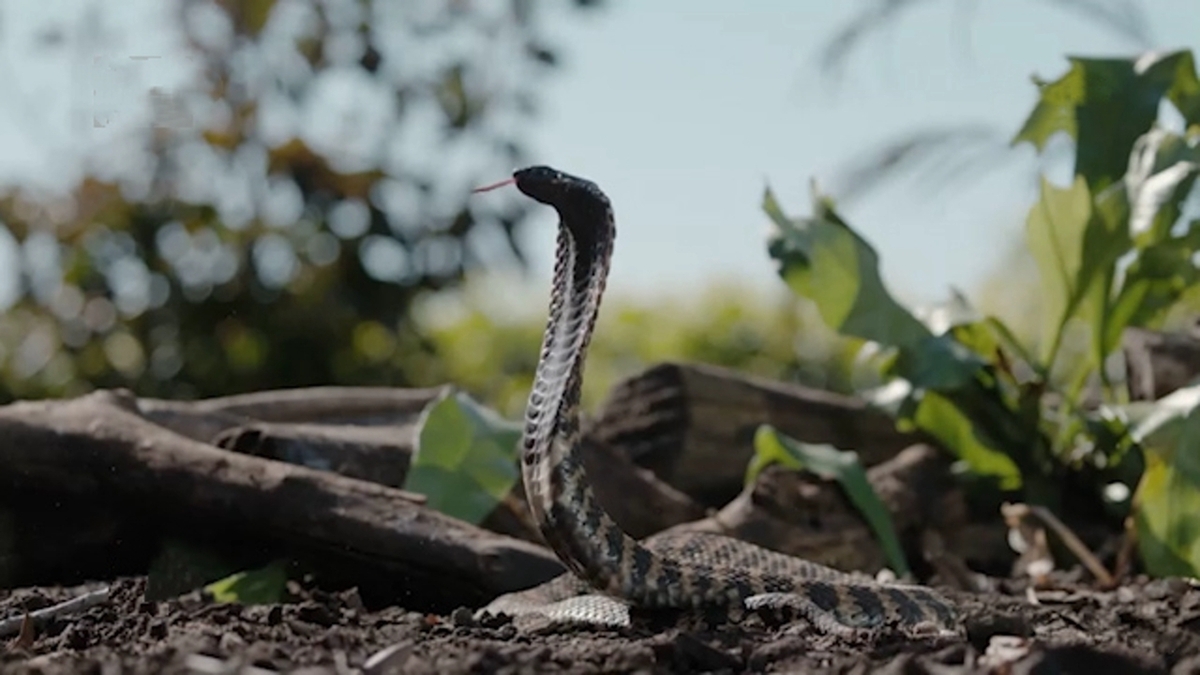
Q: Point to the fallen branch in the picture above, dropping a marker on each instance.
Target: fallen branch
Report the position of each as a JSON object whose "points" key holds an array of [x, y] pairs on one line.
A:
{"points": [[693, 425], [81, 603], [98, 449]]}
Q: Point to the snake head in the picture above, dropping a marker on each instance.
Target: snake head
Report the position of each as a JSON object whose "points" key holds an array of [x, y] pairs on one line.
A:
{"points": [[558, 189], [582, 207]]}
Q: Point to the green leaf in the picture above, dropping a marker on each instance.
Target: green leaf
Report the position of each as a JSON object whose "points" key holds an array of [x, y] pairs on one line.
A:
{"points": [[1106, 104], [1162, 174], [1155, 281], [939, 417], [771, 447], [465, 461], [1167, 518], [1076, 244], [1168, 496], [1171, 430], [824, 260], [258, 587]]}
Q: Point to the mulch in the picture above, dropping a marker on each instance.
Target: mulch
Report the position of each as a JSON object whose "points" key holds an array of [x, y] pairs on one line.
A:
{"points": [[1143, 627]]}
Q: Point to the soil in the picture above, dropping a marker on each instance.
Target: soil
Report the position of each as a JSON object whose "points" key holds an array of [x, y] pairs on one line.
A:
{"points": [[1143, 627]]}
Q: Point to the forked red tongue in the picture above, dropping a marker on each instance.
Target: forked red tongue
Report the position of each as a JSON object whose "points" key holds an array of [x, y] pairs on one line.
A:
{"points": [[493, 186]]}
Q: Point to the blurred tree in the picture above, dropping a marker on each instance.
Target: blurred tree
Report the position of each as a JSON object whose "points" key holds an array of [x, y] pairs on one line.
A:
{"points": [[272, 226], [769, 335]]}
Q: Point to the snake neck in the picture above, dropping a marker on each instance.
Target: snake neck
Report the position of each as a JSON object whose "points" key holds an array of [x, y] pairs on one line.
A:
{"points": [[570, 518]]}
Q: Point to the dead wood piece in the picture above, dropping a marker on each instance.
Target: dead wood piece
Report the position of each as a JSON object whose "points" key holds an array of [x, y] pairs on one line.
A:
{"points": [[1158, 363], [99, 448], [639, 502], [77, 604], [380, 454], [693, 425], [203, 420], [803, 515]]}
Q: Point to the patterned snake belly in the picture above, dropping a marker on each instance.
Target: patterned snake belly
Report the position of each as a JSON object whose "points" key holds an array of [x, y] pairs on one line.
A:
{"points": [[609, 570]]}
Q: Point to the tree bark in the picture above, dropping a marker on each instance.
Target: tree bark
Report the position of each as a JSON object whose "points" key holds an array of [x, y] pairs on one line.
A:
{"points": [[99, 451], [694, 425]]}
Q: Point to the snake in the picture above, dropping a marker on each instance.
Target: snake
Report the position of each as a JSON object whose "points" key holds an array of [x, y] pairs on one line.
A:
{"points": [[608, 571]]}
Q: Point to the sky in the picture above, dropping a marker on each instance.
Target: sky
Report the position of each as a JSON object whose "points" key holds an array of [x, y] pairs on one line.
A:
{"points": [[684, 111]]}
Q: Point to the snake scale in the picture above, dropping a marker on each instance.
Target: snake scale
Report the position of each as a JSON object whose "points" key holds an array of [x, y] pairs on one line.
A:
{"points": [[609, 571]]}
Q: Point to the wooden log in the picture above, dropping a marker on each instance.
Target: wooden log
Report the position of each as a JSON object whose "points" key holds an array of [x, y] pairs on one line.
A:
{"points": [[1158, 363], [693, 425], [380, 454], [803, 515], [99, 450], [203, 420]]}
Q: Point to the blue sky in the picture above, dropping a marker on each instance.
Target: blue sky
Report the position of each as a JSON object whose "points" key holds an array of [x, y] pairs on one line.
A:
{"points": [[683, 110]]}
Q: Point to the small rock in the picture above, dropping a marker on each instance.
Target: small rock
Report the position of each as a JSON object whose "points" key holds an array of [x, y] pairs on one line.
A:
{"points": [[316, 613], [462, 617], [230, 642]]}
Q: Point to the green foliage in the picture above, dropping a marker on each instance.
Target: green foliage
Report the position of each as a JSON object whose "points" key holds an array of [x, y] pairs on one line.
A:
{"points": [[1168, 496], [826, 262], [264, 586], [1111, 252], [771, 447], [248, 250], [488, 352], [1110, 103], [466, 458]]}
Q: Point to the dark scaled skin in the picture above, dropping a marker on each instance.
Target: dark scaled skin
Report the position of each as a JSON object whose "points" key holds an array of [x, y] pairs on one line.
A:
{"points": [[668, 571]]}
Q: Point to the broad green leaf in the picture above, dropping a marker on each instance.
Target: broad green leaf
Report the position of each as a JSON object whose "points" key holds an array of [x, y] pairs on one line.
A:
{"points": [[939, 417], [1161, 175], [1167, 516], [1171, 430], [1168, 496], [465, 461], [1105, 105], [1076, 245], [1185, 86], [257, 587], [771, 447], [1154, 282], [824, 260]]}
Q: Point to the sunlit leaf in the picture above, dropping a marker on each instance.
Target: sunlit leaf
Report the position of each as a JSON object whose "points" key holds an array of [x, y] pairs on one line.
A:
{"points": [[264, 586], [1167, 501], [824, 260], [1105, 105], [771, 447], [938, 416], [465, 461], [1076, 244]]}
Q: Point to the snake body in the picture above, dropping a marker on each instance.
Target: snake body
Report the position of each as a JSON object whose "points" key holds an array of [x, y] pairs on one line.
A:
{"points": [[668, 570]]}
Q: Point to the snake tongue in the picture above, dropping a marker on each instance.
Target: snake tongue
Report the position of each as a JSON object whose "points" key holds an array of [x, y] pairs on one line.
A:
{"points": [[493, 186]]}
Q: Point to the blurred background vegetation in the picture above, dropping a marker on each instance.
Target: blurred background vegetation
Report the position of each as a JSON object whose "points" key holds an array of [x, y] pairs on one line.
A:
{"points": [[302, 217], [229, 246]]}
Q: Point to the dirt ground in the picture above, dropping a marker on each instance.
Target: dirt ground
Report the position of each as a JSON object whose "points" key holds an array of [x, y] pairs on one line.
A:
{"points": [[1145, 627]]}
